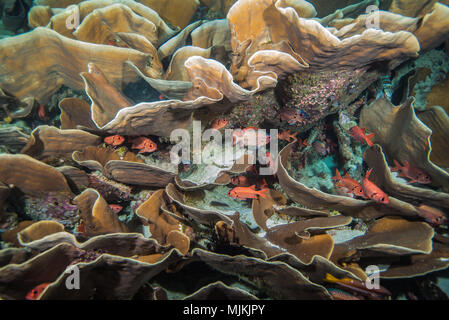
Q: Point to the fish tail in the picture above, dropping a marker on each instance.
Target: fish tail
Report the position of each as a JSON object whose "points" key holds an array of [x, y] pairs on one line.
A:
{"points": [[263, 192], [330, 278], [369, 138], [368, 173], [406, 164]]}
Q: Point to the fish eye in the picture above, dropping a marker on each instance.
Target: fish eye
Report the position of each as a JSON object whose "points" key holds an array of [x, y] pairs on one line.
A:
{"points": [[383, 199]]}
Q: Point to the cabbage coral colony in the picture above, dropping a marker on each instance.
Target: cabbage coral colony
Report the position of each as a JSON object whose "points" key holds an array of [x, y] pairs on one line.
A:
{"points": [[91, 92]]}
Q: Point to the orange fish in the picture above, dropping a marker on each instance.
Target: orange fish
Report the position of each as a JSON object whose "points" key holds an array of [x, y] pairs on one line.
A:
{"points": [[144, 144], [116, 208], [41, 112], [35, 293], [433, 216], [412, 173], [81, 228], [350, 185], [219, 124], [288, 136], [372, 191], [359, 134], [114, 140], [244, 193], [240, 181], [161, 97], [357, 286]]}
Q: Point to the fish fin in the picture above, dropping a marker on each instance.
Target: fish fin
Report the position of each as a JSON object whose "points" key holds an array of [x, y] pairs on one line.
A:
{"points": [[263, 192], [368, 173], [337, 175], [347, 175], [406, 164], [330, 278], [253, 187], [397, 166]]}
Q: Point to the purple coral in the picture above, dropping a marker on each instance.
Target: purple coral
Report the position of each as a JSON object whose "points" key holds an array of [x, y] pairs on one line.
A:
{"points": [[110, 190], [53, 206], [86, 256]]}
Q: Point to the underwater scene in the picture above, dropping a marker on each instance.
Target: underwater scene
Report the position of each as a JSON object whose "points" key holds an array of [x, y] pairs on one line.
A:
{"points": [[224, 150]]}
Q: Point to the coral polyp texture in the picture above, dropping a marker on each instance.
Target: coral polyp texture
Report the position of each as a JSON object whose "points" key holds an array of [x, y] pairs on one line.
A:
{"points": [[224, 149]]}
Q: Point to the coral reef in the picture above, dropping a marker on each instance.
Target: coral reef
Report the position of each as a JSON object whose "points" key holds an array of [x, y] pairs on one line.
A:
{"points": [[311, 138]]}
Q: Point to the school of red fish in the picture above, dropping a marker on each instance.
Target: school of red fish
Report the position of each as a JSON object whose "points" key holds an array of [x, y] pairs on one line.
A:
{"points": [[251, 185]]}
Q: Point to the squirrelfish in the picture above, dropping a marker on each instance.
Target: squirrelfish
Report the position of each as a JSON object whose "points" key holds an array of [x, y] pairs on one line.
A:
{"points": [[41, 112], [372, 191], [218, 124], [114, 140], [358, 286], [244, 193], [412, 173], [144, 144], [352, 186], [116, 208], [432, 215], [359, 134], [36, 292], [287, 136]]}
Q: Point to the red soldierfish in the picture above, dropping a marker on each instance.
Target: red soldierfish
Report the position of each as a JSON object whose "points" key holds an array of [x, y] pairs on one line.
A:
{"points": [[218, 124], [352, 186], [358, 286], [36, 292], [244, 193], [81, 228], [116, 208], [144, 144], [114, 140], [359, 134], [41, 112], [412, 173], [287, 136], [433, 216], [372, 191]]}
